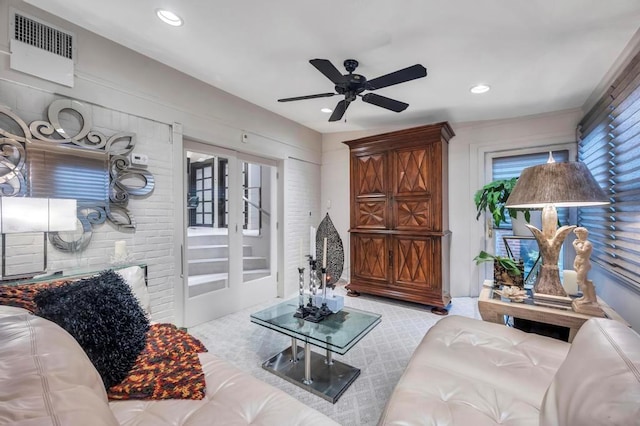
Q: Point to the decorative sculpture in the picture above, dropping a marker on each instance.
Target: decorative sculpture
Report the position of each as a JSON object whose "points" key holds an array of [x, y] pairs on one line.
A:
{"points": [[335, 250], [588, 303], [329, 253]]}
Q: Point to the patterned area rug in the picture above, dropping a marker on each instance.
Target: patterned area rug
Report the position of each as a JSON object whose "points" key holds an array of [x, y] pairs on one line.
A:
{"points": [[382, 355]]}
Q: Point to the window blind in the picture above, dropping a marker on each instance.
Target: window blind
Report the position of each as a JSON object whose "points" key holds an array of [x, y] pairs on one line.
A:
{"points": [[511, 166], [609, 144], [67, 173]]}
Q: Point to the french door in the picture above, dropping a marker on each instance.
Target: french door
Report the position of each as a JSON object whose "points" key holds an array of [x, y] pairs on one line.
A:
{"points": [[230, 240]]}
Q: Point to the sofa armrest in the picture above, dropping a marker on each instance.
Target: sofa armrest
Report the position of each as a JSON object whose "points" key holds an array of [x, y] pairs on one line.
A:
{"points": [[599, 382]]}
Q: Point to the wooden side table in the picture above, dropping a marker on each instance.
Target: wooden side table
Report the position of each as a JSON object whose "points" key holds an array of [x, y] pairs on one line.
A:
{"points": [[493, 309]]}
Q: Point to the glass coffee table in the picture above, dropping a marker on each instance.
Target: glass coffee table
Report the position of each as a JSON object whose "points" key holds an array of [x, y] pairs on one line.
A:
{"points": [[338, 333]]}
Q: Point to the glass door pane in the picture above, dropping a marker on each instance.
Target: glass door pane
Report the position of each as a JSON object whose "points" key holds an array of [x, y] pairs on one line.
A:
{"points": [[256, 181], [207, 232]]}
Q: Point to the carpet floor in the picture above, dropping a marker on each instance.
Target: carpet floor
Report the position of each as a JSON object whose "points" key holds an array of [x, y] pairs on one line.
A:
{"points": [[382, 355]]}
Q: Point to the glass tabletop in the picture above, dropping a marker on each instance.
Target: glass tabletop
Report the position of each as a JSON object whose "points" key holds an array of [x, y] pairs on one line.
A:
{"points": [[338, 333]]}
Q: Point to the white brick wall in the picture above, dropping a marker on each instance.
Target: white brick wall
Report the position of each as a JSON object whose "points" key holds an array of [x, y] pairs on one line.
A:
{"points": [[152, 241], [302, 210]]}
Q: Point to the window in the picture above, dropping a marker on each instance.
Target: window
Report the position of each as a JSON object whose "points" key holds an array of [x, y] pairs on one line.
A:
{"points": [[608, 145], [59, 172]]}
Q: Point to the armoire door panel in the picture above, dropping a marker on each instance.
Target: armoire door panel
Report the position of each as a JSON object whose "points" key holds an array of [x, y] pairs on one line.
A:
{"points": [[371, 213], [416, 263], [414, 214], [370, 257], [413, 171], [370, 177]]}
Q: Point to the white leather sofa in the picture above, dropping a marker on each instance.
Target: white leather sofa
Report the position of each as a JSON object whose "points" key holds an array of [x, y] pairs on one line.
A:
{"points": [[469, 372], [46, 379]]}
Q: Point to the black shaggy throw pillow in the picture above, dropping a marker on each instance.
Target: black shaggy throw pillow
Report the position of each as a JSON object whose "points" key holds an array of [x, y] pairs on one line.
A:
{"points": [[105, 318]]}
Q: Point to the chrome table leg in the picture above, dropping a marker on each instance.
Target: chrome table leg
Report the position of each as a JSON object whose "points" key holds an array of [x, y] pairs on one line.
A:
{"points": [[307, 364]]}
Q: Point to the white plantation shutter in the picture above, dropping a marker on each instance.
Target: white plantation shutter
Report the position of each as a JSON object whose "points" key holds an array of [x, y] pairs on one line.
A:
{"points": [[610, 146]]}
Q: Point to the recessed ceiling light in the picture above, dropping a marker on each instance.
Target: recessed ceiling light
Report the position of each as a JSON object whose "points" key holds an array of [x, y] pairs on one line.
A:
{"points": [[480, 88], [326, 110], [169, 17]]}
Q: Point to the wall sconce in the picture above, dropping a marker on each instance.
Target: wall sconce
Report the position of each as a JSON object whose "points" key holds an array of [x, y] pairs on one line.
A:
{"points": [[548, 186], [20, 215]]}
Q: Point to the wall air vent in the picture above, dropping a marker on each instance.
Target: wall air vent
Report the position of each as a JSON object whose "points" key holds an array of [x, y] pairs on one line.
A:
{"points": [[42, 36], [42, 50]]}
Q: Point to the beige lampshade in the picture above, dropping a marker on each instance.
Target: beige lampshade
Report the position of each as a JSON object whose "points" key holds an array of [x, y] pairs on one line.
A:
{"points": [[561, 184]]}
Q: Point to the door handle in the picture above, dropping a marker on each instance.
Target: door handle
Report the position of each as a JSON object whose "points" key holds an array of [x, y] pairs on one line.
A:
{"points": [[181, 261]]}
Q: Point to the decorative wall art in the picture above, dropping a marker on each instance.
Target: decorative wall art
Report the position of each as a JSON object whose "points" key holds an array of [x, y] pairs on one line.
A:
{"points": [[335, 250], [63, 159]]}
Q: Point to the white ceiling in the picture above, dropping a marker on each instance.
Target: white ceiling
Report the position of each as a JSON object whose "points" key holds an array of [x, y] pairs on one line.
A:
{"points": [[537, 55]]}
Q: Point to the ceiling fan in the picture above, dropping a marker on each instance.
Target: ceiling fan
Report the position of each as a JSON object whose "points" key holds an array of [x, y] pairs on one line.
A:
{"points": [[352, 85]]}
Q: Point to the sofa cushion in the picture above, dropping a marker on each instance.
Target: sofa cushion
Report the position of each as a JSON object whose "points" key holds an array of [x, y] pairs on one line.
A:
{"points": [[467, 371], [102, 314], [233, 398], [599, 382], [45, 376]]}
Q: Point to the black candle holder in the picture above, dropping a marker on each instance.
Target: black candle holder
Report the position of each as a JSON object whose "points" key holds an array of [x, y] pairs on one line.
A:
{"points": [[302, 311], [322, 311], [311, 311]]}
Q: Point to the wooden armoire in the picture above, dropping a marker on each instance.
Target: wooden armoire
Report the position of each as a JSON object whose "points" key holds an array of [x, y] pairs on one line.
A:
{"points": [[399, 215]]}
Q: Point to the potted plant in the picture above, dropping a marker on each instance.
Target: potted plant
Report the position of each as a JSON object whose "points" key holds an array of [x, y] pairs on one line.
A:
{"points": [[506, 271], [492, 198]]}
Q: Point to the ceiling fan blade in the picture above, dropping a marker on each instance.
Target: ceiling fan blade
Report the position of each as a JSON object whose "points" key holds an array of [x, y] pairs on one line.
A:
{"points": [[384, 102], [300, 98], [328, 69], [339, 111], [400, 76]]}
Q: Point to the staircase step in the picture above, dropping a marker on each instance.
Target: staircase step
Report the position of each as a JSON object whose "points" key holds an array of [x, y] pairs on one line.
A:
{"points": [[200, 284], [221, 265], [194, 240], [254, 274], [214, 250]]}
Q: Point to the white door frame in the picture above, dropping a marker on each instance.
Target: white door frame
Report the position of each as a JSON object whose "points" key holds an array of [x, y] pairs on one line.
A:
{"points": [[237, 294]]}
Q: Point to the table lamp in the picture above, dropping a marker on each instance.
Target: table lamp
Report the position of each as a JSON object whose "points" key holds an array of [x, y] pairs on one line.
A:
{"points": [[27, 214], [548, 186]]}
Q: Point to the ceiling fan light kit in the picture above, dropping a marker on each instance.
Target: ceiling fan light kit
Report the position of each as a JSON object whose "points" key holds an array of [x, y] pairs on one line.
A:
{"points": [[352, 85]]}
